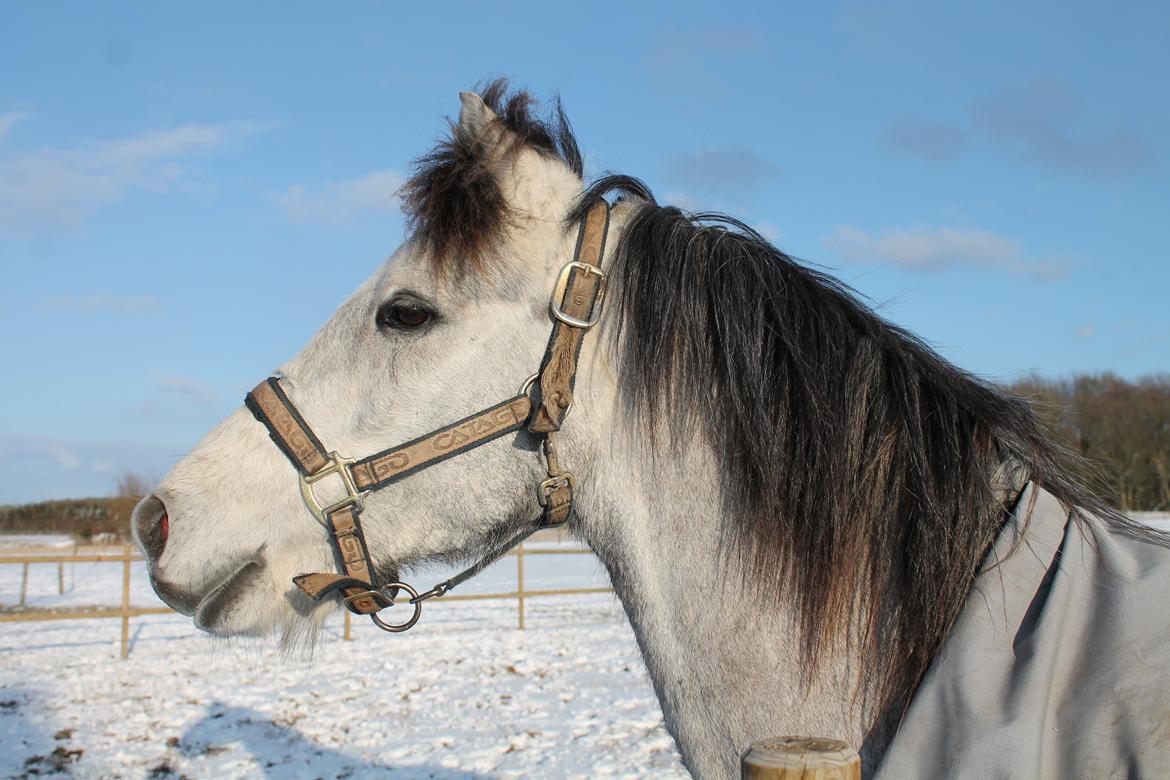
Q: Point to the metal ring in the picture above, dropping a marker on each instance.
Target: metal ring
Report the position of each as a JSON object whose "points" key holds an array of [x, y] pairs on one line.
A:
{"points": [[528, 383], [397, 628]]}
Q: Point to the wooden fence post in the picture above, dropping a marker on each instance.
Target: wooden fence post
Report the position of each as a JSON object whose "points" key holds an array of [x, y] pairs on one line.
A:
{"points": [[347, 636], [24, 584], [800, 758], [60, 577], [520, 583], [126, 602]]}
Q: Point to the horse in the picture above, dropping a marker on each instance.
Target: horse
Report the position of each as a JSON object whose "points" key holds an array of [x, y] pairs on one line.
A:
{"points": [[815, 523]]}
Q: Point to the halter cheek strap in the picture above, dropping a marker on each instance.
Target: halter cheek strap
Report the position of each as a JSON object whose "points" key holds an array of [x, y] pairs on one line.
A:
{"points": [[292, 435], [575, 307]]}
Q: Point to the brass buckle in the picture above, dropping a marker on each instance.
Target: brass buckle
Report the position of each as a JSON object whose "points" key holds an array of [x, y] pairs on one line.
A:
{"points": [[341, 467], [551, 485], [563, 284]]}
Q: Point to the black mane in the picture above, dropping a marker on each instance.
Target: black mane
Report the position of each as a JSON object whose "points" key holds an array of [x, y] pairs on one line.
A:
{"points": [[864, 477], [862, 473]]}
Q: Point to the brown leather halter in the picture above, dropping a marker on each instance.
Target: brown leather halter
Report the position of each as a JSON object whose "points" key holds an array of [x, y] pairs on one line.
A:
{"points": [[575, 307]]}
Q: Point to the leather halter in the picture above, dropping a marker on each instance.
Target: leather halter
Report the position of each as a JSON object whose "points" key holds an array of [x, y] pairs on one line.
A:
{"points": [[575, 307]]}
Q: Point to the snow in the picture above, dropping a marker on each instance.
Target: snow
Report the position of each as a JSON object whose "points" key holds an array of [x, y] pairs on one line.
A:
{"points": [[19, 543], [463, 695]]}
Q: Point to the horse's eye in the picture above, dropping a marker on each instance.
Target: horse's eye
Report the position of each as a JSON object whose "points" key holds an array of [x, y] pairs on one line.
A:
{"points": [[403, 315]]}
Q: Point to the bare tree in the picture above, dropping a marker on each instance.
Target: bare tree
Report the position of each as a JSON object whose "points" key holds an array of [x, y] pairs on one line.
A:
{"points": [[132, 485], [1121, 428]]}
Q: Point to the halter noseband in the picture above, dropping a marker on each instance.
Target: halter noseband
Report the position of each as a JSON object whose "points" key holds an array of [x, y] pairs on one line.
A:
{"points": [[575, 307]]}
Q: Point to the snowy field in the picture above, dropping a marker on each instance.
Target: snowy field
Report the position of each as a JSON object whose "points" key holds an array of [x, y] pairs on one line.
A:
{"points": [[462, 695], [20, 543]]}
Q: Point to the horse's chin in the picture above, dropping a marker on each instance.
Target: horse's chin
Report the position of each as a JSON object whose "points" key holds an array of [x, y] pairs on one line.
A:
{"points": [[241, 605]]}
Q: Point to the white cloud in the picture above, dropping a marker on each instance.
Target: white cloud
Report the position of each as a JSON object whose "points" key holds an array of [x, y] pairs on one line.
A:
{"points": [[684, 201], [36, 468], [187, 389], [341, 202], [62, 456], [62, 453], [728, 171], [56, 185], [932, 249], [9, 120], [770, 231], [1039, 118], [934, 142]]}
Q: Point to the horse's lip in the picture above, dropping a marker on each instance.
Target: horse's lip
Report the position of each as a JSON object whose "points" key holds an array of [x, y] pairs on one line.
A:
{"points": [[212, 606], [179, 599], [188, 602]]}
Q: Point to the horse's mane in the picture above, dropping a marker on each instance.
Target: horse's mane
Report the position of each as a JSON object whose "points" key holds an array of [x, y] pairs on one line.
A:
{"points": [[864, 477]]}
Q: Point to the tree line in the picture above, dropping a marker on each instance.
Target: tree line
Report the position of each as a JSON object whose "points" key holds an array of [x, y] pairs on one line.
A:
{"points": [[1121, 430], [82, 518]]}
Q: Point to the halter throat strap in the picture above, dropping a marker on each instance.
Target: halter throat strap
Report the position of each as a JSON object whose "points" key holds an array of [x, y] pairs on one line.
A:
{"points": [[575, 307]]}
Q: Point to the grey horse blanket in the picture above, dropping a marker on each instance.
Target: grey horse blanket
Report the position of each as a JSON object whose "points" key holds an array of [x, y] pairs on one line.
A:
{"points": [[1058, 665]]}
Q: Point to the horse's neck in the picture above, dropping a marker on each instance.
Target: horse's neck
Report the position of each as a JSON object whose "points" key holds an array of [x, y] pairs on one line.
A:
{"points": [[724, 663]]}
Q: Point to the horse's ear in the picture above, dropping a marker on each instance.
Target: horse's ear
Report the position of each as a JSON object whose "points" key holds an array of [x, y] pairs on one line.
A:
{"points": [[475, 115]]}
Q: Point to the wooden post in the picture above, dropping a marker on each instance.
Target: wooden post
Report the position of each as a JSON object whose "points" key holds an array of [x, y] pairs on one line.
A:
{"points": [[24, 584], [60, 577], [800, 758], [520, 583], [347, 636], [126, 602]]}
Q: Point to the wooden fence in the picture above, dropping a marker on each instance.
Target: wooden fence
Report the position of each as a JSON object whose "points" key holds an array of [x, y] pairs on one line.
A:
{"points": [[128, 557]]}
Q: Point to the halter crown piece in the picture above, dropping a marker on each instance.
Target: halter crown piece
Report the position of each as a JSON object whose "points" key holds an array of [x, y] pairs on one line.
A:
{"points": [[575, 307]]}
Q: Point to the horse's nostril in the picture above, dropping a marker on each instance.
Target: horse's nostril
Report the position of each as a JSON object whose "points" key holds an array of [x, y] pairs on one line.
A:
{"points": [[152, 526]]}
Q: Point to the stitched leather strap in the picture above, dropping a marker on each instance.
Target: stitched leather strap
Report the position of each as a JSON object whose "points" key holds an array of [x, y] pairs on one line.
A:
{"points": [[269, 404], [556, 492], [558, 371], [383, 468], [272, 407], [292, 435], [575, 308], [359, 582]]}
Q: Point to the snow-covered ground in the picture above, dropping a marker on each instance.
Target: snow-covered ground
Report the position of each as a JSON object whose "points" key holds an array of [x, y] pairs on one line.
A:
{"points": [[463, 695], [20, 543]]}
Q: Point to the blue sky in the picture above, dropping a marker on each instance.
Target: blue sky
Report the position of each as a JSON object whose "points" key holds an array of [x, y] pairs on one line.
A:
{"points": [[186, 192]]}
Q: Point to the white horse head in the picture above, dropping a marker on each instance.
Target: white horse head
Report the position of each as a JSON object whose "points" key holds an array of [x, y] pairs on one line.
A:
{"points": [[790, 495], [450, 324]]}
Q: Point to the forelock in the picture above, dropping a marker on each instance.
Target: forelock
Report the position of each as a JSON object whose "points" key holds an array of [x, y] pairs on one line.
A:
{"points": [[454, 203]]}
